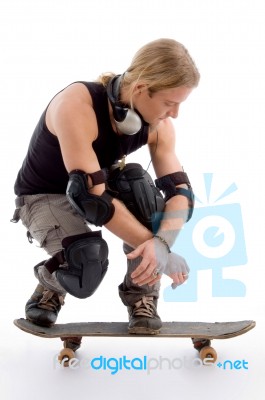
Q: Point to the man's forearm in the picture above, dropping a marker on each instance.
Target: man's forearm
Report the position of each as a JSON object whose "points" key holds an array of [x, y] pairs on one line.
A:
{"points": [[174, 217], [124, 225]]}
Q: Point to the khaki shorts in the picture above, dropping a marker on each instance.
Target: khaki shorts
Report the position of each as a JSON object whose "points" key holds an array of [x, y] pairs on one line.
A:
{"points": [[49, 218]]}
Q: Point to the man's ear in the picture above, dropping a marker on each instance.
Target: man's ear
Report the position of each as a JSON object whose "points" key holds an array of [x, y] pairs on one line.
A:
{"points": [[139, 88]]}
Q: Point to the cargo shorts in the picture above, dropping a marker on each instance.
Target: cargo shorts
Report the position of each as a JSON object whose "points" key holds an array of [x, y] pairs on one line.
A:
{"points": [[49, 218]]}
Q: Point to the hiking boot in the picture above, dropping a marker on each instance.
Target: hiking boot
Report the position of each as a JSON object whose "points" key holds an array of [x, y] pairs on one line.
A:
{"points": [[143, 317], [43, 306]]}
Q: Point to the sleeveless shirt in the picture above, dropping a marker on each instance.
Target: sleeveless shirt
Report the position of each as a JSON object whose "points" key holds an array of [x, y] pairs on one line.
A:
{"points": [[43, 169]]}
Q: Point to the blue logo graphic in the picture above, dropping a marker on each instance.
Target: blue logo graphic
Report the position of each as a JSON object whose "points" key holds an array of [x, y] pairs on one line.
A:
{"points": [[212, 240], [233, 365], [114, 365]]}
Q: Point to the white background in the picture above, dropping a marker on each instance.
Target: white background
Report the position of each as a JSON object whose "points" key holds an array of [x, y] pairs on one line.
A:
{"points": [[47, 44]]}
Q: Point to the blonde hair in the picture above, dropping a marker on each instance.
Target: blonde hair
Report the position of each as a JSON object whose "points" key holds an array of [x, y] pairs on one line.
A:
{"points": [[160, 64]]}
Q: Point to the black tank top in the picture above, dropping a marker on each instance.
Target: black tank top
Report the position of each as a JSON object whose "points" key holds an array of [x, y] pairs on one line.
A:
{"points": [[43, 170]]}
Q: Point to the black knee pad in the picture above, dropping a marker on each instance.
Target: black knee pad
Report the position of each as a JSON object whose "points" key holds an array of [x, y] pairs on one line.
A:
{"points": [[87, 259], [136, 189]]}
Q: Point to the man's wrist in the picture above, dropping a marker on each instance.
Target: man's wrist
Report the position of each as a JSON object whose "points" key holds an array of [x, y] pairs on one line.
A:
{"points": [[163, 241]]}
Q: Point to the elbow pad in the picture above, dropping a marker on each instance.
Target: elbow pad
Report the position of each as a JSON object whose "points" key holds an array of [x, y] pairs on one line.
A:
{"points": [[98, 210], [168, 185]]}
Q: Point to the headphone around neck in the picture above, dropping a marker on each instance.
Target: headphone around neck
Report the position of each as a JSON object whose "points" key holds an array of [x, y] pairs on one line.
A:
{"points": [[128, 121]]}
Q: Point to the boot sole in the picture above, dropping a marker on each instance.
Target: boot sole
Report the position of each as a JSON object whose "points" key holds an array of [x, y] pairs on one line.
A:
{"points": [[140, 330]]}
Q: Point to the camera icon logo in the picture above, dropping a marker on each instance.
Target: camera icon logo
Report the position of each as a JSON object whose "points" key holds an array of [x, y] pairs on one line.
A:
{"points": [[212, 240]]}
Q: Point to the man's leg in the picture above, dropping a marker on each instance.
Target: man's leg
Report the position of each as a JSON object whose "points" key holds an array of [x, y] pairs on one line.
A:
{"points": [[141, 301], [49, 219]]}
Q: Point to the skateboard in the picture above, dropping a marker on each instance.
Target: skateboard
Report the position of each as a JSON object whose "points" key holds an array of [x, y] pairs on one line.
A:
{"points": [[201, 334]]}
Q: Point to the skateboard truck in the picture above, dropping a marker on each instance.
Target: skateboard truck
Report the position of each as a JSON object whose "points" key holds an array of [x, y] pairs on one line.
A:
{"points": [[203, 346], [71, 345]]}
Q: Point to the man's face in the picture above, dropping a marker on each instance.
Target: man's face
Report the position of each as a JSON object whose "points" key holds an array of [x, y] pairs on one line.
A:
{"points": [[155, 107]]}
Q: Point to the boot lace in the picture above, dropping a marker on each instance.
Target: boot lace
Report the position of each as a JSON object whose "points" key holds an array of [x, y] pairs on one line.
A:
{"points": [[51, 301], [145, 307]]}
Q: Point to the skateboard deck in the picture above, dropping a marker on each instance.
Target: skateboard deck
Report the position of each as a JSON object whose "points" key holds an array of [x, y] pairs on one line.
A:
{"points": [[211, 330], [200, 332]]}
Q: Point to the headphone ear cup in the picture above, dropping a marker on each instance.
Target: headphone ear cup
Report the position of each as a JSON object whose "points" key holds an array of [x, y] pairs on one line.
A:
{"points": [[126, 120], [131, 123], [113, 91]]}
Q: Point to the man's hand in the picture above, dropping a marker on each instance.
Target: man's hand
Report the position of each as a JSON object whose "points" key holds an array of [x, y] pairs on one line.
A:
{"points": [[154, 255], [177, 269], [155, 261]]}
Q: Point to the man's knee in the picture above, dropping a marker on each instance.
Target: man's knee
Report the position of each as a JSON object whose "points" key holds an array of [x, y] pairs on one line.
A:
{"points": [[136, 189], [86, 261]]}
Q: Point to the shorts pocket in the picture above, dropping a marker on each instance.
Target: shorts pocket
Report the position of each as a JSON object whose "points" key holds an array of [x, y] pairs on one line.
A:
{"points": [[24, 215]]}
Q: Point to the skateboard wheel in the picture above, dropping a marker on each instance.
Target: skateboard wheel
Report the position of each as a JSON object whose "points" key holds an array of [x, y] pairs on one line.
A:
{"points": [[65, 356], [208, 352]]}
